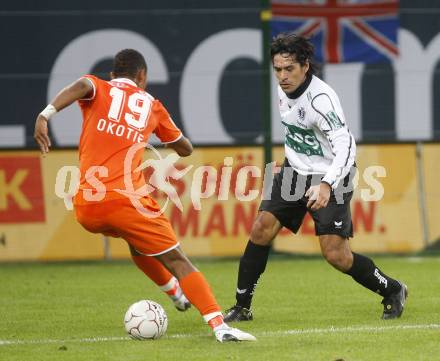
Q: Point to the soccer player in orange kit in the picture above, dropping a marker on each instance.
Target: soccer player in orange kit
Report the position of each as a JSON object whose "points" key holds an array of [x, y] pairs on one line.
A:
{"points": [[117, 116]]}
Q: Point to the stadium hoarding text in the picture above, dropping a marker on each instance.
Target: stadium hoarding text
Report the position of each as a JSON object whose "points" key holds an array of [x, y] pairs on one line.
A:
{"points": [[21, 191], [222, 226], [210, 78]]}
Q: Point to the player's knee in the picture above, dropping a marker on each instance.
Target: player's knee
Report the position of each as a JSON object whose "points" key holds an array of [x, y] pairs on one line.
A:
{"points": [[337, 259], [261, 232], [177, 263], [265, 228]]}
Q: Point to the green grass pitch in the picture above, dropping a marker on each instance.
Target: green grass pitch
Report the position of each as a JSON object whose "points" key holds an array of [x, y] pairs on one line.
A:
{"points": [[304, 310]]}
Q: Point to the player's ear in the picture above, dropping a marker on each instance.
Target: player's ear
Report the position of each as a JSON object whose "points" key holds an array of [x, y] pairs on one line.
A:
{"points": [[112, 75], [141, 78], [306, 66]]}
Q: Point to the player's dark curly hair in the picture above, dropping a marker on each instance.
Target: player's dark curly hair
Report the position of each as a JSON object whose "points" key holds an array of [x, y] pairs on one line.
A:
{"points": [[127, 63], [293, 44]]}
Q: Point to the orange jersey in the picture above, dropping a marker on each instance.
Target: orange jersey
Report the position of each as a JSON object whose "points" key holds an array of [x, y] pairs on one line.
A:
{"points": [[116, 117]]}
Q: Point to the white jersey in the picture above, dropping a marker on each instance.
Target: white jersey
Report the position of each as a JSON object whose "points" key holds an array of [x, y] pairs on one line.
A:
{"points": [[318, 140]]}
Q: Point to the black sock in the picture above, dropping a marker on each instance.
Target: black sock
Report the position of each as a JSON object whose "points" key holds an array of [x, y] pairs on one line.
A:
{"points": [[252, 265], [365, 272]]}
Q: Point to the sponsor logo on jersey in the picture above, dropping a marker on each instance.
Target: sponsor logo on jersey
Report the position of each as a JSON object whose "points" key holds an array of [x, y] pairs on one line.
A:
{"points": [[303, 140], [334, 120]]}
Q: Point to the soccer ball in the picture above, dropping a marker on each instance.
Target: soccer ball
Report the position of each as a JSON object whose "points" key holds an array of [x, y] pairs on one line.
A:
{"points": [[145, 320]]}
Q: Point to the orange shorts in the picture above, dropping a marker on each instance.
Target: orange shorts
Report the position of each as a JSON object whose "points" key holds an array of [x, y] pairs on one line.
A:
{"points": [[150, 236]]}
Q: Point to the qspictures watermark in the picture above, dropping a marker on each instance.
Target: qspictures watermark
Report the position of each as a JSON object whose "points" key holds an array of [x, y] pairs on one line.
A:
{"points": [[206, 182]]}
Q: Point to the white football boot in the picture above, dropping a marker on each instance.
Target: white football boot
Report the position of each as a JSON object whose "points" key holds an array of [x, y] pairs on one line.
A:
{"points": [[175, 293], [224, 333], [181, 302]]}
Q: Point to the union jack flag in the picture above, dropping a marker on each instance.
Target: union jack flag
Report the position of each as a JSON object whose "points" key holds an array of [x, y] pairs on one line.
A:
{"points": [[342, 30]]}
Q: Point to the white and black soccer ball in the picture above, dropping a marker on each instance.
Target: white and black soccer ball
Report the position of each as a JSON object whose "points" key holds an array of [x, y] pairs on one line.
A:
{"points": [[146, 320]]}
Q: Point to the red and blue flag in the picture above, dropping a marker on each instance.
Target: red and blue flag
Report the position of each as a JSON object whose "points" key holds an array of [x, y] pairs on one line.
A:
{"points": [[342, 30]]}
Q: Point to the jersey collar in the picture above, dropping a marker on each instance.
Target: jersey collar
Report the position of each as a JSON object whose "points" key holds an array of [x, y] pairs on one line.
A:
{"points": [[125, 80], [301, 89]]}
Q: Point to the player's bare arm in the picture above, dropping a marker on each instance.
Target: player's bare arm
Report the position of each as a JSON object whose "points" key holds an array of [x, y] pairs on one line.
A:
{"points": [[183, 147], [80, 89]]}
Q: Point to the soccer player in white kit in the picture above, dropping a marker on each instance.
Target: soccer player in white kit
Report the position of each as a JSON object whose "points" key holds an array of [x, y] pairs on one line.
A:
{"points": [[316, 178]]}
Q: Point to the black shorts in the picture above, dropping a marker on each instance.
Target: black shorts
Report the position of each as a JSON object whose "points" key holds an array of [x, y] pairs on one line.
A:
{"points": [[290, 207]]}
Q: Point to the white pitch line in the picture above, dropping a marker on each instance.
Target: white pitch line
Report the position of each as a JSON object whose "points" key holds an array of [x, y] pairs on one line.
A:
{"points": [[351, 329], [306, 331], [48, 341]]}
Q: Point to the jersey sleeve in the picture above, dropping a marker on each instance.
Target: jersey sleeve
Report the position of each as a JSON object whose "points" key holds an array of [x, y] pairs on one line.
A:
{"points": [[166, 130], [94, 82], [331, 122]]}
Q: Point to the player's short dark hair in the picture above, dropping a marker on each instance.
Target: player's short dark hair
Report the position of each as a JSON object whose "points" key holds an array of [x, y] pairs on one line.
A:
{"points": [[127, 63], [293, 44]]}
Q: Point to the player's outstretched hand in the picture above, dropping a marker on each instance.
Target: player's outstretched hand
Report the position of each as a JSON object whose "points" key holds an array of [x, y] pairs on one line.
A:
{"points": [[318, 195], [41, 134]]}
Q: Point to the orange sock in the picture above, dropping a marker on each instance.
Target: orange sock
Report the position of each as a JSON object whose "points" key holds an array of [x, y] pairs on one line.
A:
{"points": [[153, 269], [197, 290]]}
